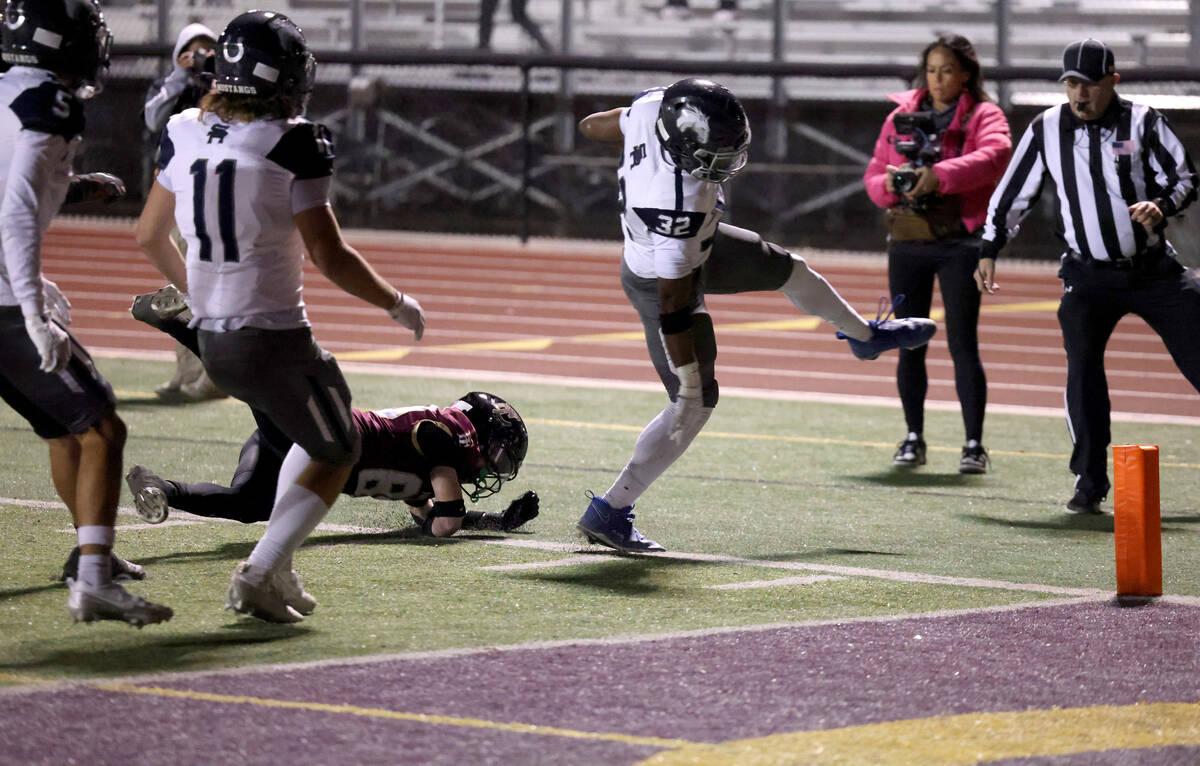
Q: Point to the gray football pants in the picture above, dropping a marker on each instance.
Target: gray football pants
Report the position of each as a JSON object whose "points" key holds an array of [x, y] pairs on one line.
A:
{"points": [[740, 262]]}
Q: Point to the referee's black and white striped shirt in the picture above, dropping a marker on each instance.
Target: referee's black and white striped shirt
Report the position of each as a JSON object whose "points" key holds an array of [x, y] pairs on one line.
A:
{"points": [[1100, 168]]}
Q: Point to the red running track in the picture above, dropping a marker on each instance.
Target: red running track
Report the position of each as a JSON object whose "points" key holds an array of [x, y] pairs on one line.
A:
{"points": [[555, 308]]}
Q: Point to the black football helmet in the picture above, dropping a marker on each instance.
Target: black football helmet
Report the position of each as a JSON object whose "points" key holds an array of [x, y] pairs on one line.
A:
{"points": [[263, 53], [503, 441], [704, 129], [64, 36]]}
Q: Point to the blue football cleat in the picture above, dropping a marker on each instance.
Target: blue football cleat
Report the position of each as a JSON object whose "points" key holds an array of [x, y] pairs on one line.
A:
{"points": [[887, 334], [613, 527]]}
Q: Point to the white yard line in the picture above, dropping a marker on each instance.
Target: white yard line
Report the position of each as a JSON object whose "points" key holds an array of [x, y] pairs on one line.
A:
{"points": [[782, 582]]}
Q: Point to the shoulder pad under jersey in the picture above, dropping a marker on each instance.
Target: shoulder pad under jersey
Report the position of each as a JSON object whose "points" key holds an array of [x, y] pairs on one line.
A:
{"points": [[49, 108], [305, 150]]}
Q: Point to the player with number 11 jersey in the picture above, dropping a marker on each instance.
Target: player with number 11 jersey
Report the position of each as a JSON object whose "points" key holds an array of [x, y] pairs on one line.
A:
{"points": [[246, 179]]}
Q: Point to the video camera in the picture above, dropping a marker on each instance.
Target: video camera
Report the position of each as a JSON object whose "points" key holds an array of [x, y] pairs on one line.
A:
{"points": [[919, 149]]}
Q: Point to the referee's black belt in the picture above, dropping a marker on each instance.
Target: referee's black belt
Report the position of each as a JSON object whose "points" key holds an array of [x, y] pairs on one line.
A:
{"points": [[1139, 260]]}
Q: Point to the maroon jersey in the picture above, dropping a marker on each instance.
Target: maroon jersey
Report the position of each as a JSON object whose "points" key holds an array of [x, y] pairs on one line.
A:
{"points": [[401, 446]]}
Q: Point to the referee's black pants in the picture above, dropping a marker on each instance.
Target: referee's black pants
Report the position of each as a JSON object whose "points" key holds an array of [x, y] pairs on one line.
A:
{"points": [[1095, 297], [912, 267]]}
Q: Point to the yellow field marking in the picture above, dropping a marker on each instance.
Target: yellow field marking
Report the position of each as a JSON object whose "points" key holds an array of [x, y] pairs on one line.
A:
{"points": [[477, 723], [960, 740], [377, 355], [1012, 308], [17, 678]]}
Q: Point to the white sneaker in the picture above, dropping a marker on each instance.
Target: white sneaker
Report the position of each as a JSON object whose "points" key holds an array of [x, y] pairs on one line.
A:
{"points": [[293, 592], [255, 593], [674, 13], [724, 17], [112, 602]]}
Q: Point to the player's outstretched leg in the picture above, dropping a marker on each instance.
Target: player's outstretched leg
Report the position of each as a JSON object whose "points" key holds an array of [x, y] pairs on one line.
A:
{"points": [[613, 527]]}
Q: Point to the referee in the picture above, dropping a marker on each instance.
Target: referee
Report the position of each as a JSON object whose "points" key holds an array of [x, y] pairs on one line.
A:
{"points": [[1119, 171]]}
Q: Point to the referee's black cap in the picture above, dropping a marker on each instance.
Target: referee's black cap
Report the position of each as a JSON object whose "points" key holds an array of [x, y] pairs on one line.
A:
{"points": [[1089, 60]]}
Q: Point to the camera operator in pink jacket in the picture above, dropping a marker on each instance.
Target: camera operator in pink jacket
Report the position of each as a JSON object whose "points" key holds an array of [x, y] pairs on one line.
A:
{"points": [[939, 155]]}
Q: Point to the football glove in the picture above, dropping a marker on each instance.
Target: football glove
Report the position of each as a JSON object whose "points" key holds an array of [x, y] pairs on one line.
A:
{"points": [[519, 511], [57, 305], [52, 342], [407, 313], [93, 187]]}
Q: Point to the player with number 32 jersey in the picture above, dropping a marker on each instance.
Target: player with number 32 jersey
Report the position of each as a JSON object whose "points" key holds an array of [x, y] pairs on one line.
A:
{"points": [[668, 216]]}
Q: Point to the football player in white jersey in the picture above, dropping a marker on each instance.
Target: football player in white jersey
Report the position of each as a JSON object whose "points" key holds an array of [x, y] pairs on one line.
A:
{"points": [[58, 50], [680, 144], [246, 179]]}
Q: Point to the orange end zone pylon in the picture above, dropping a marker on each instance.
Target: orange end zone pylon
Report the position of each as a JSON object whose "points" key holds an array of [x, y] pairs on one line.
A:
{"points": [[1137, 526]]}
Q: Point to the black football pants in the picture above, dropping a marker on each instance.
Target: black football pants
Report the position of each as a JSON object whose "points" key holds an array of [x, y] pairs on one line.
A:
{"points": [[912, 267], [1095, 298]]}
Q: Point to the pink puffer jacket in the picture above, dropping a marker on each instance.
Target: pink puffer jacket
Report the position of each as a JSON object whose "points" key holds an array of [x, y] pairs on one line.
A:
{"points": [[975, 151]]}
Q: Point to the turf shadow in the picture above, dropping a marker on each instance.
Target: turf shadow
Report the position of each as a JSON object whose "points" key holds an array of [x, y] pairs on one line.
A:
{"points": [[622, 574], [1101, 522], [915, 479], [149, 650]]}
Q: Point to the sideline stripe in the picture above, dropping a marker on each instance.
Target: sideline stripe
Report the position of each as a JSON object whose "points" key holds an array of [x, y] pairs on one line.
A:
{"points": [[541, 343], [527, 378], [477, 723], [962, 740]]}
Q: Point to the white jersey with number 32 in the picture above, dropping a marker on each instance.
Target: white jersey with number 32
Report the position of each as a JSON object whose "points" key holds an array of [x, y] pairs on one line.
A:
{"points": [[237, 186], [668, 217]]}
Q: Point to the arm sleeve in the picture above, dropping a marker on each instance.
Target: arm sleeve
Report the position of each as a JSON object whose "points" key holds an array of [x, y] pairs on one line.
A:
{"points": [[1018, 190], [875, 177], [1172, 166], [33, 158], [160, 99], [984, 165]]}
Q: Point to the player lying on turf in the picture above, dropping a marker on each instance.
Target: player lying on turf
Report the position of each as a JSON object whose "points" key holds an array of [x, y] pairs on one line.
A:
{"points": [[425, 456], [428, 457]]}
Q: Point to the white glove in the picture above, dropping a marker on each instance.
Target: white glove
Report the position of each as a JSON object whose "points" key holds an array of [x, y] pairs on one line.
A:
{"points": [[689, 402], [53, 343], [57, 305], [407, 312]]}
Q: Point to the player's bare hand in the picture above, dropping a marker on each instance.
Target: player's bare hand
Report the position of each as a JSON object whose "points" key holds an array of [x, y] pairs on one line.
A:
{"points": [[985, 276], [408, 313], [1147, 214]]}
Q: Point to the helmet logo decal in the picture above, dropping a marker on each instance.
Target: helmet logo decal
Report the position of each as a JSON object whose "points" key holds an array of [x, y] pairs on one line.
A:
{"points": [[45, 37], [691, 118], [233, 52], [14, 17], [264, 72]]}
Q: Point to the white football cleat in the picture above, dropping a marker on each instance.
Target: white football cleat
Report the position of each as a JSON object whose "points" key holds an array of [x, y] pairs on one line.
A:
{"points": [[293, 592], [112, 602], [149, 499], [255, 593]]}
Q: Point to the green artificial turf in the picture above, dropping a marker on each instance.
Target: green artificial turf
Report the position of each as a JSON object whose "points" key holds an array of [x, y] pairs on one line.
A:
{"points": [[768, 481]]}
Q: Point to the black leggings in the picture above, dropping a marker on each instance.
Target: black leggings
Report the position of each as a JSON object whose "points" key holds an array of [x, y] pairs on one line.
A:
{"points": [[911, 269]]}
